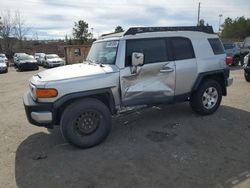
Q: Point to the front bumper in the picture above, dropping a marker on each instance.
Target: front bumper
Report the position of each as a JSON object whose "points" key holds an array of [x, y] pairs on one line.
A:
{"points": [[27, 66], [39, 114], [3, 69], [51, 65], [247, 68]]}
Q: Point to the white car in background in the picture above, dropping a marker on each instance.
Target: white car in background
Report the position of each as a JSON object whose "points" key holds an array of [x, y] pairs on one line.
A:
{"points": [[52, 60], [4, 57], [3, 66], [39, 57]]}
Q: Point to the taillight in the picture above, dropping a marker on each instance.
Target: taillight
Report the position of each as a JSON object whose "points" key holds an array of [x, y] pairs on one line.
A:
{"points": [[229, 60]]}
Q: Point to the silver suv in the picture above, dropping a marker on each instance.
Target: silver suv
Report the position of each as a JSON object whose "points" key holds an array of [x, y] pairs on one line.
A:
{"points": [[142, 66]]}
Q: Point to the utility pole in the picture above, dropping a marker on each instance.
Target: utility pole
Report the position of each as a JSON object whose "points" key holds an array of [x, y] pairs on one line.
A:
{"points": [[92, 32], [199, 9], [220, 15]]}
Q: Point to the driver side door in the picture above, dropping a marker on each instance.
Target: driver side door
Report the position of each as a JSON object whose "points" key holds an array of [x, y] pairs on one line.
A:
{"points": [[154, 81]]}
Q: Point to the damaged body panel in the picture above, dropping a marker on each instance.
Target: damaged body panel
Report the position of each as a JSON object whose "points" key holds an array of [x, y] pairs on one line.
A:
{"points": [[151, 83]]}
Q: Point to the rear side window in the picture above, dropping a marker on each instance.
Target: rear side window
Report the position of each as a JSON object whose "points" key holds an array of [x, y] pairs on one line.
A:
{"points": [[183, 48], [154, 50], [216, 45]]}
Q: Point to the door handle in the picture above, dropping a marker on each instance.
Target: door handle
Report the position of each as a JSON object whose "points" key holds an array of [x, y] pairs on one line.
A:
{"points": [[166, 70]]}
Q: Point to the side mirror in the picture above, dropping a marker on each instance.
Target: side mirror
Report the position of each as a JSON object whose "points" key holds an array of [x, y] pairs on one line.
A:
{"points": [[137, 59]]}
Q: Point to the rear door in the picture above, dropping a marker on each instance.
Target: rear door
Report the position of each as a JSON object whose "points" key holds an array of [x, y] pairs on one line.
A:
{"points": [[154, 81], [186, 64]]}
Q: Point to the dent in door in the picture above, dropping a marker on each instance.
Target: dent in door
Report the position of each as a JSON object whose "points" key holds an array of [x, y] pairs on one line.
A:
{"points": [[148, 82]]}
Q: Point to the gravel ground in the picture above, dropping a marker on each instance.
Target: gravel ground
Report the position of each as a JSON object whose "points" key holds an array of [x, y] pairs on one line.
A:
{"points": [[164, 146]]}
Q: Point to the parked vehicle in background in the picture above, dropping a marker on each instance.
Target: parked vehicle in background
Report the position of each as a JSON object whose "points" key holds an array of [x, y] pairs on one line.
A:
{"points": [[233, 51], [247, 67], [245, 49], [5, 58], [52, 60], [16, 57], [3, 66], [40, 58], [27, 62], [142, 66]]}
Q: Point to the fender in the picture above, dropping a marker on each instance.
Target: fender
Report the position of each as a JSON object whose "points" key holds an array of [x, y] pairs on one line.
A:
{"points": [[60, 104], [222, 75]]}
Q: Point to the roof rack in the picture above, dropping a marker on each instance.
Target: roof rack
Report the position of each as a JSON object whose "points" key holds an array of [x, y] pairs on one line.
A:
{"points": [[137, 30]]}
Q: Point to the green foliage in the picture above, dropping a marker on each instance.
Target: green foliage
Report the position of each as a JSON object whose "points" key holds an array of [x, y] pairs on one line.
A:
{"points": [[118, 29], [201, 22], [238, 28], [80, 31]]}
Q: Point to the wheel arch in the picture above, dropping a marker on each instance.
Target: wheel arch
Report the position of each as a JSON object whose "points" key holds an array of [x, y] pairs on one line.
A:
{"points": [[104, 95], [219, 76]]}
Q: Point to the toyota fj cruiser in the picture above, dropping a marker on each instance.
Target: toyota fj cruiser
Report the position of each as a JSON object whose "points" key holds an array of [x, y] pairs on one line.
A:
{"points": [[142, 66]]}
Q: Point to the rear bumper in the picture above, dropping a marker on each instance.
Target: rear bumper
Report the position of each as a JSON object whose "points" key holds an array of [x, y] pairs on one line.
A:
{"points": [[3, 69], [39, 114]]}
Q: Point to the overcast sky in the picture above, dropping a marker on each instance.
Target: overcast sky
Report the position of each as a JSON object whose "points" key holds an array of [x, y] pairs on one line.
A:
{"points": [[55, 18]]}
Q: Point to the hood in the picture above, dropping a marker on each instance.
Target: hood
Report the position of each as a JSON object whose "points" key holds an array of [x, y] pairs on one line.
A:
{"points": [[73, 71], [28, 61]]}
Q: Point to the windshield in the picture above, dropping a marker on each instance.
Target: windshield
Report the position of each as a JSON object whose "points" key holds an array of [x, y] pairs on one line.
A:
{"points": [[52, 56], [2, 55], [103, 52]]}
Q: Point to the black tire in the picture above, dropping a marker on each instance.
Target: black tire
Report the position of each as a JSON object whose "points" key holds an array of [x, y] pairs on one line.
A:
{"points": [[86, 123], [247, 76], [236, 61], [197, 98]]}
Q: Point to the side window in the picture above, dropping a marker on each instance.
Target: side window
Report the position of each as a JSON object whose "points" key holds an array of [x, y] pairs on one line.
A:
{"points": [[216, 45], [183, 48], [154, 50]]}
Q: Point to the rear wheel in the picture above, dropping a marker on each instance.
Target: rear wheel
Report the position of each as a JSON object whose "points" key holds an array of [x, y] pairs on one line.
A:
{"points": [[207, 98], [86, 123], [247, 76]]}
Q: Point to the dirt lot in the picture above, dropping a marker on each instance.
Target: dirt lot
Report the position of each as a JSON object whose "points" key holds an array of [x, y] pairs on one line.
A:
{"points": [[166, 146]]}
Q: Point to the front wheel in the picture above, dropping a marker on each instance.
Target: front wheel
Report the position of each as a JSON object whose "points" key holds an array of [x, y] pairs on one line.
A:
{"points": [[207, 98], [86, 123], [247, 76]]}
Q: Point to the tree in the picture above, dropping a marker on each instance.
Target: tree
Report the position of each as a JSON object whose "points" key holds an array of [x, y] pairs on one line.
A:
{"points": [[201, 22], [238, 28], [80, 31], [6, 31], [20, 31], [118, 29]]}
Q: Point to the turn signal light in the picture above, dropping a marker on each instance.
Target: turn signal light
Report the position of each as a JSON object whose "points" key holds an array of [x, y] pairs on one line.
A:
{"points": [[46, 93]]}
